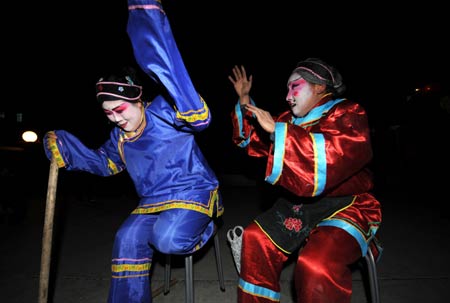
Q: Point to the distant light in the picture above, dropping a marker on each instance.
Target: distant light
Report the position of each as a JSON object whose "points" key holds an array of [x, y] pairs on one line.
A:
{"points": [[29, 136]]}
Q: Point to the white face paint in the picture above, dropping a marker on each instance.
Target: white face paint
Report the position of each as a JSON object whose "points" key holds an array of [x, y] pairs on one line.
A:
{"points": [[125, 114], [301, 96]]}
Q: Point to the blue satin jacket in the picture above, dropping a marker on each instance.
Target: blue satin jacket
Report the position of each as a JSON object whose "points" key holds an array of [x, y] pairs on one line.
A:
{"points": [[162, 157]]}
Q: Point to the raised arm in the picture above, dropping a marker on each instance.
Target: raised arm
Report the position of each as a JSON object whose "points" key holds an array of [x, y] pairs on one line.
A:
{"points": [[242, 84], [157, 54]]}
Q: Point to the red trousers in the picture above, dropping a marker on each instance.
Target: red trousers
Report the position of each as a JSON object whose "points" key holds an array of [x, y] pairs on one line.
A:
{"points": [[321, 275]]}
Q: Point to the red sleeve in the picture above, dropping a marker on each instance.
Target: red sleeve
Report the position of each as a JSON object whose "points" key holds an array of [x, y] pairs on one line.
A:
{"points": [[248, 134], [326, 157]]}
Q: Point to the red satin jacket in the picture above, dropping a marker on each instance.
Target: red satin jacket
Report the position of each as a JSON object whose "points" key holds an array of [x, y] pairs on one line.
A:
{"points": [[325, 153]]}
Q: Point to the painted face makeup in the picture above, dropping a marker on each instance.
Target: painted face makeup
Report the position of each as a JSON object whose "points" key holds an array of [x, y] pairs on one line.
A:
{"points": [[124, 114], [300, 96]]}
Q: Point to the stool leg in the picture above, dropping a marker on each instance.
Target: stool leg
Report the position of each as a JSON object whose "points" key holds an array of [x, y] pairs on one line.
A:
{"points": [[189, 272], [189, 277], [373, 278], [167, 275], [219, 262]]}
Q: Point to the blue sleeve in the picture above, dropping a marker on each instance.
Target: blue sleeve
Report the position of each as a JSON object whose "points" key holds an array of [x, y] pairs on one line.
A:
{"points": [[157, 54], [72, 154]]}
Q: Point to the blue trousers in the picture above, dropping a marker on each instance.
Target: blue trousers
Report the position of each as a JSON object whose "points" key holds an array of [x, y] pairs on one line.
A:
{"points": [[175, 231]]}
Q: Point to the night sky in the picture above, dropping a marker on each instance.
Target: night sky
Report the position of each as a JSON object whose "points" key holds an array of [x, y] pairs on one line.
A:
{"points": [[55, 54]]}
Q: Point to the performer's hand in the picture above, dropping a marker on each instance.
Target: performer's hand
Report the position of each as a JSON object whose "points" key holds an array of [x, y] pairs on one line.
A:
{"points": [[241, 83], [51, 148], [264, 118]]}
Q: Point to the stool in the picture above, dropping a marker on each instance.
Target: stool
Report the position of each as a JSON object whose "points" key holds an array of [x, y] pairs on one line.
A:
{"points": [[189, 273], [372, 274]]}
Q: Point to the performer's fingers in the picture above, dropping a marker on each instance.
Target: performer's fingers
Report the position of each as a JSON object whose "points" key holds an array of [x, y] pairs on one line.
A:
{"points": [[236, 72], [243, 72]]}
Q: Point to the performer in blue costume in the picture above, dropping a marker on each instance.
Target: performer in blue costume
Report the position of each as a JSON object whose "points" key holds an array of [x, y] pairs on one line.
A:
{"points": [[154, 142]]}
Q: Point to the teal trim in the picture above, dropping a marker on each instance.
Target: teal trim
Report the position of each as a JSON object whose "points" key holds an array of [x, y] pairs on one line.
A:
{"points": [[316, 112], [321, 175], [238, 112], [352, 230], [244, 143], [278, 155], [259, 291]]}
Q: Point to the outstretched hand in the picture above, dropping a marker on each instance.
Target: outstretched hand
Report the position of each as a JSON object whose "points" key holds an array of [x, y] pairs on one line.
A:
{"points": [[263, 117], [241, 83]]}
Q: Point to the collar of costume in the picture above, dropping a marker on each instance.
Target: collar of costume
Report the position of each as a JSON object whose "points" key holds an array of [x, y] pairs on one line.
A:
{"points": [[108, 91]]}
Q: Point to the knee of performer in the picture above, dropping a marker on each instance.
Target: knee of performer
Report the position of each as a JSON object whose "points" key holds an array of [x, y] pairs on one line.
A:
{"points": [[172, 244], [309, 266]]}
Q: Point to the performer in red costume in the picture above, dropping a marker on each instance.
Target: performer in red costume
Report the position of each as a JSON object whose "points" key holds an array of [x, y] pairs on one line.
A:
{"points": [[317, 152]]}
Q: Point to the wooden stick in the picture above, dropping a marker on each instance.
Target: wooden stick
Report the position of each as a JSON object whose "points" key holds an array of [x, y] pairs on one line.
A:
{"points": [[48, 232]]}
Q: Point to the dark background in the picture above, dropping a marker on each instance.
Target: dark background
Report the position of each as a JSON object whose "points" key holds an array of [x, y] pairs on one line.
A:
{"points": [[54, 52]]}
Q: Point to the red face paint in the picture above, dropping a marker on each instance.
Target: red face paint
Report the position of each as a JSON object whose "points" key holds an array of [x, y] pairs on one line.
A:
{"points": [[118, 110], [296, 86]]}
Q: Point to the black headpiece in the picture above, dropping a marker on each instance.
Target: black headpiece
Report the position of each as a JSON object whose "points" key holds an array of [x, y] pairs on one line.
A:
{"points": [[108, 90], [318, 72]]}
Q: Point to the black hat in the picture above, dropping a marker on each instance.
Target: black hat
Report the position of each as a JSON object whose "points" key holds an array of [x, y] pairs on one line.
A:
{"points": [[317, 71], [108, 91], [119, 85]]}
